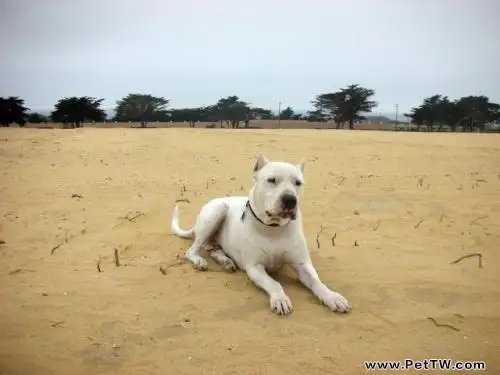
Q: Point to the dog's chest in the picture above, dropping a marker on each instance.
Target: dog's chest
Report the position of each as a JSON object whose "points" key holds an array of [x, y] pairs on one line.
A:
{"points": [[271, 255], [274, 262]]}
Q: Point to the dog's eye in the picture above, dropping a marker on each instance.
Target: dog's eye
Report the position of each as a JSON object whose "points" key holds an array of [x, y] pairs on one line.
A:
{"points": [[271, 180], [298, 183]]}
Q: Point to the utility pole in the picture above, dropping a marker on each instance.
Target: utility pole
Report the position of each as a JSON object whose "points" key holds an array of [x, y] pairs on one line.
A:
{"points": [[279, 114], [397, 113]]}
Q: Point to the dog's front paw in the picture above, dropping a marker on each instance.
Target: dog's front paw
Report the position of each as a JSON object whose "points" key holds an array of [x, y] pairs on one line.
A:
{"points": [[280, 304], [335, 301], [199, 263]]}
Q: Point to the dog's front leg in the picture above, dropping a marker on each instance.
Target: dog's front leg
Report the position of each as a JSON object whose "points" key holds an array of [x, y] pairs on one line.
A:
{"points": [[309, 277], [278, 300]]}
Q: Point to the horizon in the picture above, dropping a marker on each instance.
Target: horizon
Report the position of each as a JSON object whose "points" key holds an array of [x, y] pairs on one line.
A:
{"points": [[268, 52]]}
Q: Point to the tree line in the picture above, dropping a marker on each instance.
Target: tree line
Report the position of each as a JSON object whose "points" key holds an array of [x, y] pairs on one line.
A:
{"points": [[344, 107]]}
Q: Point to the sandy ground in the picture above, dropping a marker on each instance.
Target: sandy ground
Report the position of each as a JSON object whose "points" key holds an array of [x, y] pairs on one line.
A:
{"points": [[402, 206]]}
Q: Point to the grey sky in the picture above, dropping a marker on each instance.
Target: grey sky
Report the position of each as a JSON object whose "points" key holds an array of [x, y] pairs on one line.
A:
{"points": [[195, 52]]}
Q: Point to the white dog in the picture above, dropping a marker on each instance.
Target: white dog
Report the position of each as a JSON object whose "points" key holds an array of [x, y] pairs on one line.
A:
{"points": [[260, 233]]}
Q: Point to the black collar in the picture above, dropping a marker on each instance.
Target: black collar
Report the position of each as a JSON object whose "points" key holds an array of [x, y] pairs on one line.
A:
{"points": [[256, 217]]}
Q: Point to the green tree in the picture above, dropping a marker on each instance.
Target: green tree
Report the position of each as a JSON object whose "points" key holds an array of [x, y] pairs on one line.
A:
{"points": [[74, 111], [469, 113], [36, 118], [232, 110], [287, 113], [191, 115], [477, 111], [141, 108], [12, 110], [317, 116], [345, 105], [262, 113]]}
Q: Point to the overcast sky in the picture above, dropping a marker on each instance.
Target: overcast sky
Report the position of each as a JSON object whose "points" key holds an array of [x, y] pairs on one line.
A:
{"points": [[264, 51]]}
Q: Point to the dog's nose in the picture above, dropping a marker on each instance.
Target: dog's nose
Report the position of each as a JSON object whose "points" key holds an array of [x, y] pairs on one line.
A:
{"points": [[288, 201]]}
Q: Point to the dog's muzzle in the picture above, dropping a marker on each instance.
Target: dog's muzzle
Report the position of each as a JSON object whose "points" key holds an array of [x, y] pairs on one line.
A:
{"points": [[284, 214], [288, 206]]}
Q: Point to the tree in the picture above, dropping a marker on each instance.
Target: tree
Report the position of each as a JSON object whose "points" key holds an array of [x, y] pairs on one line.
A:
{"points": [[470, 113], [476, 112], [317, 116], [36, 118], [141, 108], [12, 110], [345, 105], [261, 113], [287, 113], [232, 110], [191, 115], [74, 111], [433, 111]]}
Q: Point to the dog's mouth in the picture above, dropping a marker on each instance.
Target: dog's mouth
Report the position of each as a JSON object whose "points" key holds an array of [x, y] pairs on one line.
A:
{"points": [[285, 214]]}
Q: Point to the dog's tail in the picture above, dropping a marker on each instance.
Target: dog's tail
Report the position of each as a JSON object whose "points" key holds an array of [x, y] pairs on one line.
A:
{"points": [[175, 226]]}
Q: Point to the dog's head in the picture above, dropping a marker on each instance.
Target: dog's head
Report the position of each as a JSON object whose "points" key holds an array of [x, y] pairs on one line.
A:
{"points": [[276, 191]]}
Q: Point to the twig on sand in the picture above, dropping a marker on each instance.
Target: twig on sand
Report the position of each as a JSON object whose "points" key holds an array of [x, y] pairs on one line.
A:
{"points": [[342, 179], [333, 238], [98, 265], [132, 218], [442, 325], [479, 255], [476, 220], [116, 257], [79, 196], [163, 270], [183, 200], [53, 250], [317, 236], [57, 324], [356, 243], [183, 189], [418, 224]]}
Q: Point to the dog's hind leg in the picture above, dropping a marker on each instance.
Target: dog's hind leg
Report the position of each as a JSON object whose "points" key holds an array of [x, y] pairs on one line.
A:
{"points": [[208, 222], [220, 257]]}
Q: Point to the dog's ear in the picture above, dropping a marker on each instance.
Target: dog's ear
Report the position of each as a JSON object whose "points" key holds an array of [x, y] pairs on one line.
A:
{"points": [[260, 162], [301, 165]]}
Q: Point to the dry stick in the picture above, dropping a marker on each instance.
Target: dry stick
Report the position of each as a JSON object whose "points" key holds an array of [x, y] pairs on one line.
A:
{"points": [[98, 265], [55, 248], [117, 258], [442, 325], [333, 238], [56, 324], [134, 217], [317, 236], [163, 270], [418, 224], [341, 181], [475, 221], [479, 255], [183, 200]]}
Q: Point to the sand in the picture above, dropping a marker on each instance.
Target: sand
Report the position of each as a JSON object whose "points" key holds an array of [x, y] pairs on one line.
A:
{"points": [[402, 206]]}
